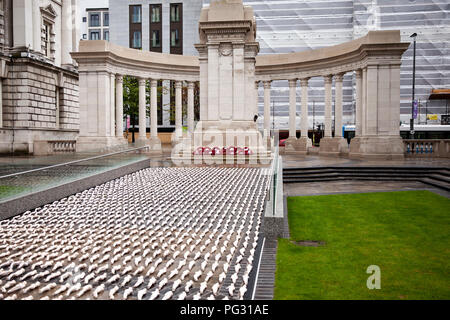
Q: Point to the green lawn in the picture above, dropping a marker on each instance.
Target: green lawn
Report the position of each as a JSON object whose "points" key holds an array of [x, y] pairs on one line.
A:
{"points": [[407, 234]]}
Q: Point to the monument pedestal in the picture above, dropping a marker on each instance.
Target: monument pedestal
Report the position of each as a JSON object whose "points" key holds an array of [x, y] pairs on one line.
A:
{"points": [[297, 146], [333, 146], [377, 148]]}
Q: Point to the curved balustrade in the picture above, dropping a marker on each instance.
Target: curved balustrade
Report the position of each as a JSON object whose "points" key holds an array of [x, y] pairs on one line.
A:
{"points": [[435, 148]]}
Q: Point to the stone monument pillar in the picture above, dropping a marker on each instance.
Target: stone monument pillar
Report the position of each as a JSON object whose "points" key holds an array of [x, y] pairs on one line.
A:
{"points": [[227, 52]]}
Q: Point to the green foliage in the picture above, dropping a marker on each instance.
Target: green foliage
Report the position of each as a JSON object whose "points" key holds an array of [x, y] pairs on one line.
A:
{"points": [[131, 99], [407, 234]]}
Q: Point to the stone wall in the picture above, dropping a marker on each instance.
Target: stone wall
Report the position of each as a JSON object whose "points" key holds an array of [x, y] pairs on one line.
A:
{"points": [[40, 97]]}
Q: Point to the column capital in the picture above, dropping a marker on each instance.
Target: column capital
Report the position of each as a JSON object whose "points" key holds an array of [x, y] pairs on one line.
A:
{"points": [[142, 81], [178, 84], [328, 79], [304, 82], [119, 78], [153, 83], [191, 85], [292, 83], [339, 77], [358, 73], [267, 84]]}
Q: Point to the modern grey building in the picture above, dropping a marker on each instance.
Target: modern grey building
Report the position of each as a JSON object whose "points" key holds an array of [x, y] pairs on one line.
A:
{"points": [[94, 19], [166, 26], [285, 26]]}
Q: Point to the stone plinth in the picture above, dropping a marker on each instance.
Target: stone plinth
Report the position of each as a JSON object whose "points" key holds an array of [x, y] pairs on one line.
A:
{"points": [[376, 147], [297, 146], [333, 146]]}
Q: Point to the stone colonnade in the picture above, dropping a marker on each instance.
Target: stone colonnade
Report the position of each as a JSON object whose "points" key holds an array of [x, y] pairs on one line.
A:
{"points": [[377, 100], [112, 124]]}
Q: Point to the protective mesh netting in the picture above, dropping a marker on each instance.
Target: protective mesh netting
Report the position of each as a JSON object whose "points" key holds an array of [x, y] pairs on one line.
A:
{"points": [[295, 25]]}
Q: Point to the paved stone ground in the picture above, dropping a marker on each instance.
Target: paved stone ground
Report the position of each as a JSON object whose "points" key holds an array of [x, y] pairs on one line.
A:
{"points": [[160, 233]]}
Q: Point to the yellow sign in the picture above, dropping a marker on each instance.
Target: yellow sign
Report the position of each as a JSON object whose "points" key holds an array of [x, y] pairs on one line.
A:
{"points": [[432, 117]]}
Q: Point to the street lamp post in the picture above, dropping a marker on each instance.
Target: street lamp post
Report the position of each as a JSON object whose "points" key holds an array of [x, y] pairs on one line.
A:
{"points": [[411, 124]]}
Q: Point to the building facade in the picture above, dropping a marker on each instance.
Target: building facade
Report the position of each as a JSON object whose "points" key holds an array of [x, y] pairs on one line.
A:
{"points": [[165, 26], [292, 26], [93, 16], [39, 81]]}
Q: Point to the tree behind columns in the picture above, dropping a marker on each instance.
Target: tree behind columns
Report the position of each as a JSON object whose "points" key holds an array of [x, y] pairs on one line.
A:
{"points": [[131, 101]]}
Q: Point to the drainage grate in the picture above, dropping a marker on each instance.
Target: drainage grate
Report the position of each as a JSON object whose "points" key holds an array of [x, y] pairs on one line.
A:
{"points": [[308, 243]]}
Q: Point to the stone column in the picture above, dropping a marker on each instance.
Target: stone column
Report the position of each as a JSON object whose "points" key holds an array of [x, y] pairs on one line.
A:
{"points": [[37, 41], [113, 104], [267, 85], [142, 111], [328, 80], [178, 110], [364, 102], [66, 35], [155, 143], [338, 105], [328, 144], [358, 102], [190, 107], [256, 98], [304, 120], [119, 106], [292, 108], [154, 109]]}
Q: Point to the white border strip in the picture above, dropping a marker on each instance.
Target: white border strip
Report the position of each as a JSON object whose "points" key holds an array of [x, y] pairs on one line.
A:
{"points": [[257, 271]]}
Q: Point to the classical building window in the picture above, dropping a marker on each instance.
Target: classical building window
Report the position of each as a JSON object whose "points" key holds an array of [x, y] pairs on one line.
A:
{"points": [[106, 35], [94, 20], [94, 35], [48, 16], [156, 13], [136, 14], [156, 42], [175, 12]]}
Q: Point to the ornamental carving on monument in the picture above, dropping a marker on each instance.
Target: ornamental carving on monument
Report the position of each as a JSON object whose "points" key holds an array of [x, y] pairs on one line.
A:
{"points": [[225, 50]]}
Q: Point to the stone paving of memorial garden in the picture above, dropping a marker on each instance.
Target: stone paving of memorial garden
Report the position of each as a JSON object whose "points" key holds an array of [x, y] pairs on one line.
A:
{"points": [[160, 233]]}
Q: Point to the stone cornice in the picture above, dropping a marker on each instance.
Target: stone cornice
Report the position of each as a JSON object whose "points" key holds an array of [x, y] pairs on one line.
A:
{"points": [[101, 55], [376, 48]]}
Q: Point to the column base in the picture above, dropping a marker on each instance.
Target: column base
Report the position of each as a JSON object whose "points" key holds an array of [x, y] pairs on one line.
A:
{"points": [[94, 144], [154, 145], [297, 146], [377, 148], [333, 146]]}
